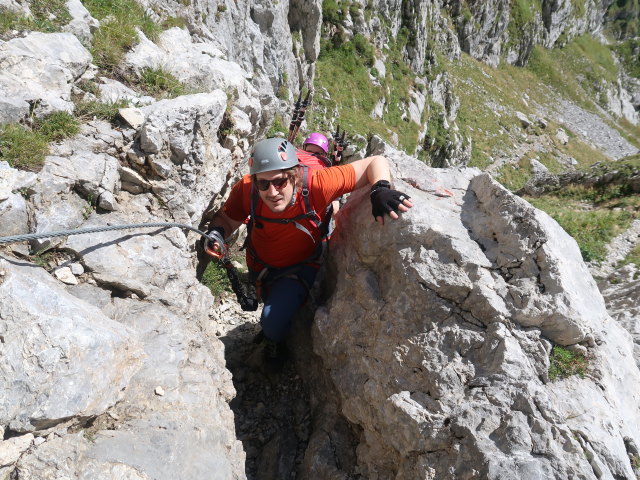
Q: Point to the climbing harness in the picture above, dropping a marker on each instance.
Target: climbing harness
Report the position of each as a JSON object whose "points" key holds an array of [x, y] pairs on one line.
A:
{"points": [[245, 299]]}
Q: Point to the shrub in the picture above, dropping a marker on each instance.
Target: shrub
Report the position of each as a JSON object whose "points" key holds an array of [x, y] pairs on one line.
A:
{"points": [[564, 363], [171, 22], [364, 49], [331, 12], [628, 52], [276, 127]]}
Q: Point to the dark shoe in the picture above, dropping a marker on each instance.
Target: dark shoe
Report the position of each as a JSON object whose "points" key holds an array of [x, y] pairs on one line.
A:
{"points": [[274, 355]]}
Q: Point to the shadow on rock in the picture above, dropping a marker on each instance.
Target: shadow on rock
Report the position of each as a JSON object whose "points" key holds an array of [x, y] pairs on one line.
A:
{"points": [[271, 409]]}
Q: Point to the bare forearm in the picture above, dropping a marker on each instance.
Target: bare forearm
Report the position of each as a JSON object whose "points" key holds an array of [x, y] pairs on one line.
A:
{"points": [[371, 170]]}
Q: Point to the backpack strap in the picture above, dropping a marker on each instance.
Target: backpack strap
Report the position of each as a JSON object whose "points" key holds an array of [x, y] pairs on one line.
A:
{"points": [[308, 213]]}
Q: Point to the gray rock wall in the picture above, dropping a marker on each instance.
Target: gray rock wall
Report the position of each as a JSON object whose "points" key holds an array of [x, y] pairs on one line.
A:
{"points": [[433, 348], [437, 339]]}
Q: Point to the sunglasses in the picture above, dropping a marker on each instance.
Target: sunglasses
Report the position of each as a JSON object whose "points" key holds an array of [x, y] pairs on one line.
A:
{"points": [[278, 183]]}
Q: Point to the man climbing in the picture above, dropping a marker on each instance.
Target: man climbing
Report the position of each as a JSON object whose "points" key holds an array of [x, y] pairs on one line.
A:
{"points": [[284, 238]]}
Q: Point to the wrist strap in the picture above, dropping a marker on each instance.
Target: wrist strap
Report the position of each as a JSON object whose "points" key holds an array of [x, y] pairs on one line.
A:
{"points": [[380, 184]]}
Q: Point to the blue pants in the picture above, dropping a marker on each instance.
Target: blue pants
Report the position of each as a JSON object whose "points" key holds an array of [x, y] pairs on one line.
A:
{"points": [[282, 298]]}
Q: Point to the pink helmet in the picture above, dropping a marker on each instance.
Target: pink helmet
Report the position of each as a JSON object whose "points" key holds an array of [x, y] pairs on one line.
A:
{"points": [[317, 139]]}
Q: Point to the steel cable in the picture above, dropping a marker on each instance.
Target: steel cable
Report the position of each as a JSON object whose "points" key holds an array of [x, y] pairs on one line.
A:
{"points": [[105, 228]]}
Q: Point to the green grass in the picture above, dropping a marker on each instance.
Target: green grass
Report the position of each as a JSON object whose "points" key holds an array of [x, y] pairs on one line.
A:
{"points": [[161, 84], [629, 131], [489, 98], [594, 215], [104, 111], [22, 147], [57, 126], [343, 70], [480, 89], [563, 363], [171, 22], [215, 278], [26, 148], [48, 16], [521, 15], [632, 257], [277, 127], [584, 154], [594, 222], [117, 32], [514, 176], [576, 70]]}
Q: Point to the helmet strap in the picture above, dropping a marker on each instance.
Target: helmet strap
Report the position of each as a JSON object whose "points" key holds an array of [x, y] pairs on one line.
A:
{"points": [[293, 196]]}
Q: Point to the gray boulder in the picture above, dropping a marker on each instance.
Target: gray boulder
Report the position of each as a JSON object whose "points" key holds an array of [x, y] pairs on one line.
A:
{"points": [[62, 359], [174, 408], [80, 176], [14, 212], [40, 69], [82, 24], [438, 332], [179, 142]]}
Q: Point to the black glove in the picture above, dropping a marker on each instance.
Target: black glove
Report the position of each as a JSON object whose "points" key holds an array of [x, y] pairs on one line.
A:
{"points": [[218, 234], [249, 299], [384, 200]]}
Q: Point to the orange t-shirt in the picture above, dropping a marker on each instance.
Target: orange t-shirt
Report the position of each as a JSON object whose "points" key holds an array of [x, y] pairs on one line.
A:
{"points": [[283, 245]]}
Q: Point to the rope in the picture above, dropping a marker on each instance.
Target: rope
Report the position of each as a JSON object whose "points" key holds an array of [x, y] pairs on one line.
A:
{"points": [[106, 228]]}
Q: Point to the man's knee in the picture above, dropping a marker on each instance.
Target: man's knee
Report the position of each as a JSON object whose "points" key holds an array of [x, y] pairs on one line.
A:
{"points": [[275, 322]]}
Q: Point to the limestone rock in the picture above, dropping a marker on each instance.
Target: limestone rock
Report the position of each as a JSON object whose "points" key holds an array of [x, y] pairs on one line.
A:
{"points": [[81, 177], [14, 213], [82, 24], [133, 116], [112, 91], [41, 68], [12, 448], [439, 329], [179, 138], [62, 358], [65, 275]]}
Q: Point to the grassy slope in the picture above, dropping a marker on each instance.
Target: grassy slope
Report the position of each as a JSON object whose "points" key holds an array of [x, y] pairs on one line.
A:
{"points": [[489, 99]]}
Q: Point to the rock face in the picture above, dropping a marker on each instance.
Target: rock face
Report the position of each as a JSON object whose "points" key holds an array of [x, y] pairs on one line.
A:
{"points": [[432, 352], [64, 358], [437, 337], [108, 357], [39, 69]]}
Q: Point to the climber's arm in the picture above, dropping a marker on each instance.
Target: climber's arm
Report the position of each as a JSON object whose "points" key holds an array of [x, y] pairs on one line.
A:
{"points": [[375, 171]]}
